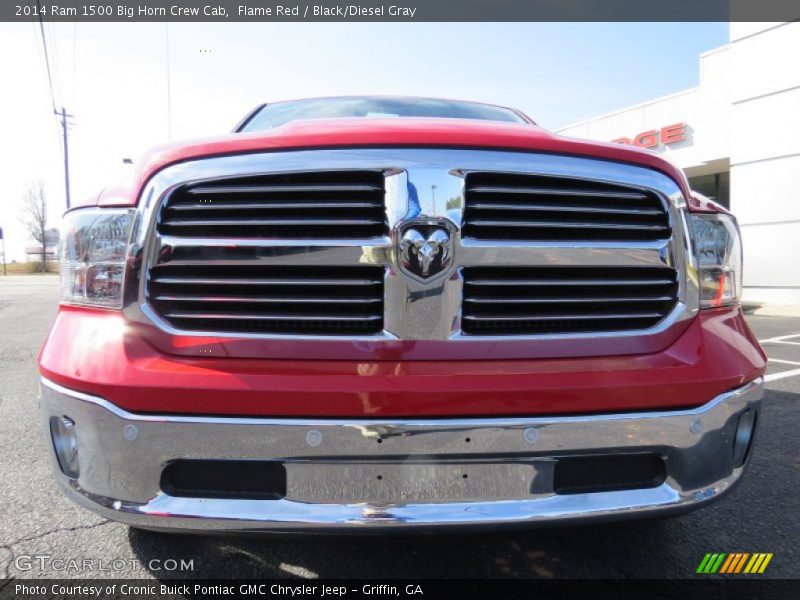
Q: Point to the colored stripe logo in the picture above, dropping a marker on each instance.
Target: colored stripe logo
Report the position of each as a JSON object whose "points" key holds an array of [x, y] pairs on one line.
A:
{"points": [[734, 562]]}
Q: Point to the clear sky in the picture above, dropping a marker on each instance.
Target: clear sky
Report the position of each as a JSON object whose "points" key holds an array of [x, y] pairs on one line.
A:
{"points": [[113, 78]]}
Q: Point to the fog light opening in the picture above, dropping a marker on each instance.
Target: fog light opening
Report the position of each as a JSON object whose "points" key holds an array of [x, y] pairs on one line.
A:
{"points": [[743, 440], [65, 444]]}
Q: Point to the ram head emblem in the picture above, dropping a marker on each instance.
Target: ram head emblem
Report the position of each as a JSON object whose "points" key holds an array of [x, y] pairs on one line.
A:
{"points": [[425, 255]]}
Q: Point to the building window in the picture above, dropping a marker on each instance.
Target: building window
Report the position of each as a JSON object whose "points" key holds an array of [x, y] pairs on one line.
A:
{"points": [[716, 186]]}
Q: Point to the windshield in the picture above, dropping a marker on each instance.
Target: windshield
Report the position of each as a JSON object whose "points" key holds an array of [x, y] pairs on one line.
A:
{"points": [[280, 113]]}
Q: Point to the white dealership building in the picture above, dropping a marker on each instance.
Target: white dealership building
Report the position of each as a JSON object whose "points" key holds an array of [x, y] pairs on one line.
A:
{"points": [[737, 137]]}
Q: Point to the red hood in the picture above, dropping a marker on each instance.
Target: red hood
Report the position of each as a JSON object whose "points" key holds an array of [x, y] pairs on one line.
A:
{"points": [[392, 132]]}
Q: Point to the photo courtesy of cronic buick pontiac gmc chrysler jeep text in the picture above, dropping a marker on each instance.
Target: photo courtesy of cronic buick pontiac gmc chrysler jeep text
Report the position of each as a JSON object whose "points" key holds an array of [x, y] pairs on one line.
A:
{"points": [[372, 313]]}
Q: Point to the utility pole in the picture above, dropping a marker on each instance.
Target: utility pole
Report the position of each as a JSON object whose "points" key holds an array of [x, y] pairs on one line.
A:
{"points": [[64, 126], [4, 251]]}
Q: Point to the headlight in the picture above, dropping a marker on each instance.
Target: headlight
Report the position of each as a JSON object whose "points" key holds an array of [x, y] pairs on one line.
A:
{"points": [[718, 249], [91, 253]]}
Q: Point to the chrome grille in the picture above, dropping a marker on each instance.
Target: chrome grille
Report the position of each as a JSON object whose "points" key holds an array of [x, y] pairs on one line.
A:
{"points": [[544, 300], [318, 204], [272, 299], [292, 283], [503, 206]]}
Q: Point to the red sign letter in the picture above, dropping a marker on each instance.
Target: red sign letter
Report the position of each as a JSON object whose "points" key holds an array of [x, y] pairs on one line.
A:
{"points": [[647, 139], [673, 133]]}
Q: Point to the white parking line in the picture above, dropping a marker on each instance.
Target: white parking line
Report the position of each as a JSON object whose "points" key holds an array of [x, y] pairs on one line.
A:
{"points": [[298, 570], [782, 375], [782, 339], [779, 338], [785, 362]]}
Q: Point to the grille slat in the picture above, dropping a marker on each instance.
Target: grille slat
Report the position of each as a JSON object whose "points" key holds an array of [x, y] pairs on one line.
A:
{"points": [[299, 205], [525, 206], [274, 222], [563, 317], [260, 281], [262, 300], [562, 224], [510, 301], [257, 205], [571, 282], [270, 317], [563, 300], [269, 299], [508, 206], [280, 189], [555, 191]]}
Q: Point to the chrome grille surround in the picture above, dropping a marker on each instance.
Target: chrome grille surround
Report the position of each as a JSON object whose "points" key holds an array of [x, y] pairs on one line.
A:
{"points": [[420, 183]]}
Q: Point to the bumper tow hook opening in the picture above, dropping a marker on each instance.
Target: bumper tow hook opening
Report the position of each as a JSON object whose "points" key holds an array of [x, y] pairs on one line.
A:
{"points": [[65, 444], [743, 440]]}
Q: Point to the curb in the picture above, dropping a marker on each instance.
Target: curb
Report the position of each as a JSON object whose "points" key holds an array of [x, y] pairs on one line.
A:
{"points": [[772, 310]]}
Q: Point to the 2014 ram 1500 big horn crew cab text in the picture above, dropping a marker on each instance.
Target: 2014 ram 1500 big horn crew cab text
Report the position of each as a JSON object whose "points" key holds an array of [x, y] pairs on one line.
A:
{"points": [[376, 312]]}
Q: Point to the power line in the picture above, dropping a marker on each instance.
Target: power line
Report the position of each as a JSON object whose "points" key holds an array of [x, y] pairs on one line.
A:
{"points": [[46, 56], [39, 49], [63, 112], [169, 93], [58, 84], [75, 60]]}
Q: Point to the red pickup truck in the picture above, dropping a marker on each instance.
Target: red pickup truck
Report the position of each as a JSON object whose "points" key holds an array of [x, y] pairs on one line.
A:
{"points": [[375, 313]]}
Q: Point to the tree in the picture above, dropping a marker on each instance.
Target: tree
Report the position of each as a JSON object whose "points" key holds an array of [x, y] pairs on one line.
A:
{"points": [[34, 216]]}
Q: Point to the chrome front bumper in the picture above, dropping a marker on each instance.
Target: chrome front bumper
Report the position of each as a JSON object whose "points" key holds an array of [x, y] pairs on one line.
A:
{"points": [[369, 474]]}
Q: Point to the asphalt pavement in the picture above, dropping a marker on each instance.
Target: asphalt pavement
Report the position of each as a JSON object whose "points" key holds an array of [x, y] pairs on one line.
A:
{"points": [[39, 526]]}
